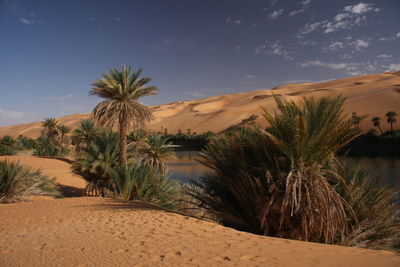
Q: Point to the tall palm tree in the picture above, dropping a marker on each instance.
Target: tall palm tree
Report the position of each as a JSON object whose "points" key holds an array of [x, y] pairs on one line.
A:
{"points": [[377, 123], [121, 91], [50, 129], [391, 119], [63, 131]]}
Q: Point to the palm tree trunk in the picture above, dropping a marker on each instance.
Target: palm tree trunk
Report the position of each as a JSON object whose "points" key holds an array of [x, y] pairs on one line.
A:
{"points": [[391, 127], [379, 127], [122, 139]]}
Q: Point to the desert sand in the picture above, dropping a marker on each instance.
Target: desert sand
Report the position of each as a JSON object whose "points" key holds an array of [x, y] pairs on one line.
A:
{"points": [[373, 95], [89, 231], [105, 232]]}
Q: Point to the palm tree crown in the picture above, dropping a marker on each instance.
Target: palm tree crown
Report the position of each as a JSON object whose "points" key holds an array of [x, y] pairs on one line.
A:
{"points": [[121, 91], [391, 119], [377, 123], [50, 129]]}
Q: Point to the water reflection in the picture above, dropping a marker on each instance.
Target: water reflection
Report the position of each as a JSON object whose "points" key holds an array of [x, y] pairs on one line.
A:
{"points": [[185, 167]]}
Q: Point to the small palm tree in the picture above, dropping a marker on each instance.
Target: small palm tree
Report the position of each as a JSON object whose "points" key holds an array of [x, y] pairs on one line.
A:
{"points": [[84, 135], [121, 91], [391, 119], [156, 152], [50, 129], [63, 131], [137, 140], [377, 123]]}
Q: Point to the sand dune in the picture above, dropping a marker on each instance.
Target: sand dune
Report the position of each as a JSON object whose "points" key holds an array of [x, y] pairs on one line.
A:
{"points": [[373, 94], [106, 232]]}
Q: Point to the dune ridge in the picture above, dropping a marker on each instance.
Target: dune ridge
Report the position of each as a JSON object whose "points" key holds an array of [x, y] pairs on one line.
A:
{"points": [[373, 94]]}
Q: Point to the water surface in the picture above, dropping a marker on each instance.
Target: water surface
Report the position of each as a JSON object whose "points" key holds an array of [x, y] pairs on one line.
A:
{"points": [[185, 167]]}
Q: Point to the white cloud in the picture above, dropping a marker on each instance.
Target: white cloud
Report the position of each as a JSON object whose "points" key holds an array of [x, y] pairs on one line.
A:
{"points": [[29, 21], [360, 8], [310, 27], [392, 67], [251, 76], [385, 56], [276, 14], [341, 16], [230, 20], [305, 4], [117, 19], [397, 35], [318, 63], [334, 46], [360, 44], [347, 19], [274, 48]]}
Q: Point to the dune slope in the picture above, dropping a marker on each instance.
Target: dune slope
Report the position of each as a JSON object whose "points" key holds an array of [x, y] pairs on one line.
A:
{"points": [[105, 232], [373, 94]]}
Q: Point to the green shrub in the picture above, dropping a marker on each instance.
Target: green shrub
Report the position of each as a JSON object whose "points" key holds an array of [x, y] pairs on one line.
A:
{"points": [[138, 181], [17, 182], [46, 147], [96, 162], [376, 208], [7, 146]]}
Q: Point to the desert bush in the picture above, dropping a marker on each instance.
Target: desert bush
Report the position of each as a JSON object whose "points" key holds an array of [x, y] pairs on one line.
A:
{"points": [[7, 146], [25, 143], [17, 182], [47, 147], [137, 181]]}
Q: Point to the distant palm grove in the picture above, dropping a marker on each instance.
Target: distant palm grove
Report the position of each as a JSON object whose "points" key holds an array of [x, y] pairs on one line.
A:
{"points": [[285, 180]]}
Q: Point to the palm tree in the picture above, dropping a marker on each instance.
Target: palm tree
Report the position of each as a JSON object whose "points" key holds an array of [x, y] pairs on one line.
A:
{"points": [[122, 91], [84, 135], [50, 129], [281, 181], [137, 140], [63, 131], [391, 119], [156, 152], [377, 122]]}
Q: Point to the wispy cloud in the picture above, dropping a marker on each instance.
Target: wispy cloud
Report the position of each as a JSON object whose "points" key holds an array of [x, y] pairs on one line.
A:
{"points": [[392, 67], [276, 14], [333, 46], [384, 56], [273, 48], [360, 44], [231, 20], [305, 5], [390, 38], [250, 76], [30, 21], [361, 8], [350, 16]]}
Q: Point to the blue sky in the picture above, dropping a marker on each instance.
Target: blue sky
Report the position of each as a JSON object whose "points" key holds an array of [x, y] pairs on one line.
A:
{"points": [[51, 50]]}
